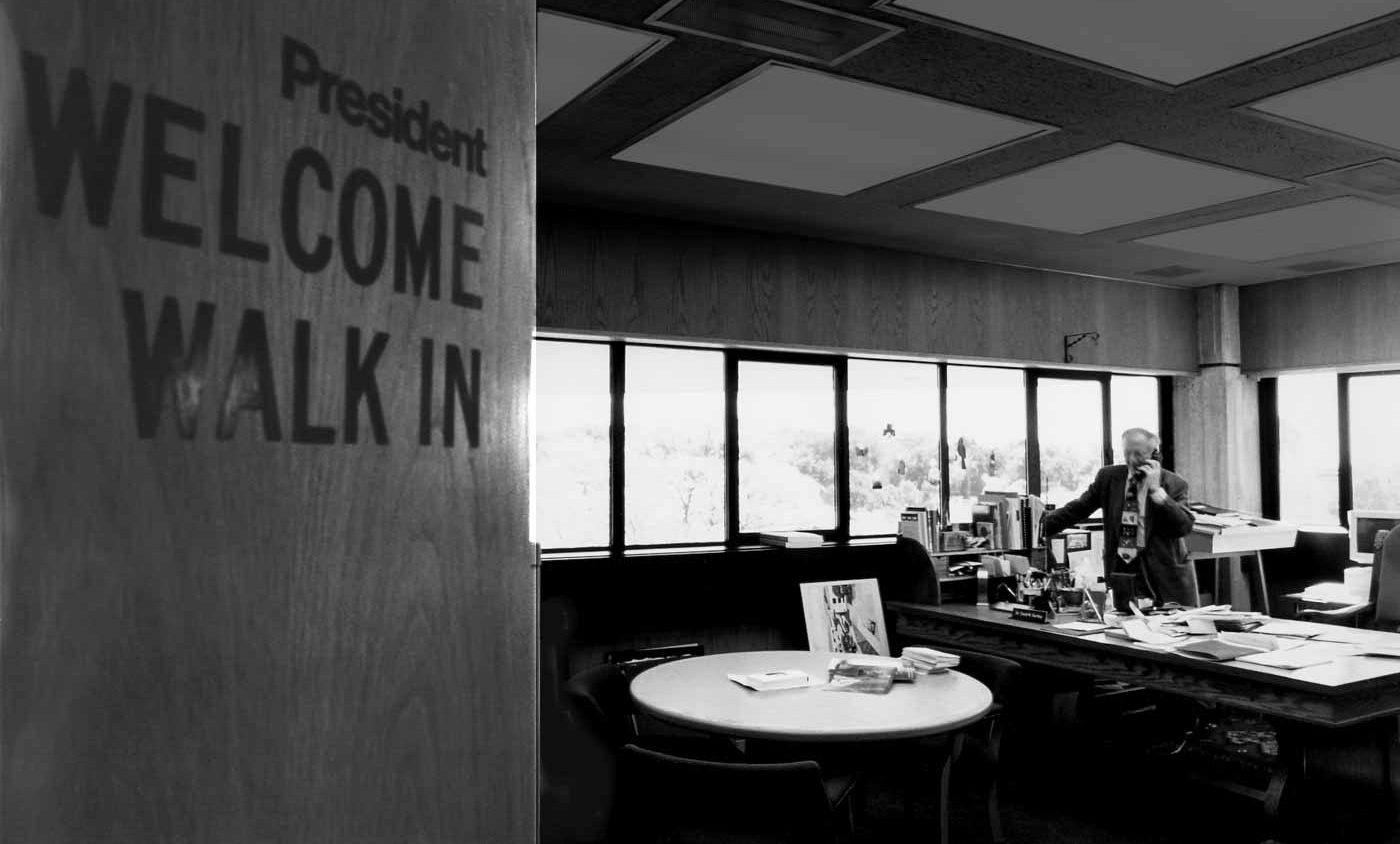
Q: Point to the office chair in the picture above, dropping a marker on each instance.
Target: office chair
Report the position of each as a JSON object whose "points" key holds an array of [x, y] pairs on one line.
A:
{"points": [[665, 798], [978, 761], [1382, 610], [913, 577], [601, 699]]}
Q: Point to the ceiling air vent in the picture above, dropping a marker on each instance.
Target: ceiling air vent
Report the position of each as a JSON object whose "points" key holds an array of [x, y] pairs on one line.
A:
{"points": [[1170, 271], [1377, 178], [787, 28], [1320, 266]]}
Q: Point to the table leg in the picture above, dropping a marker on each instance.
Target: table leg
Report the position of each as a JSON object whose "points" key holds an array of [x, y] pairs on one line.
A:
{"points": [[938, 754], [1262, 581]]}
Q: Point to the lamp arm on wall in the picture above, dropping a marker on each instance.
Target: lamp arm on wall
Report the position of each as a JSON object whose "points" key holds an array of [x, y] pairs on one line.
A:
{"points": [[1072, 339]]}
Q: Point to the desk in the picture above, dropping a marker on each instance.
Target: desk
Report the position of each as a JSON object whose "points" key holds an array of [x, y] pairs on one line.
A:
{"points": [[1306, 704], [1232, 545], [698, 693]]}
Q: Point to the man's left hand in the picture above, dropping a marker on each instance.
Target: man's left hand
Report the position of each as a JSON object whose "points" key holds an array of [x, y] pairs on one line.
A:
{"points": [[1152, 475]]}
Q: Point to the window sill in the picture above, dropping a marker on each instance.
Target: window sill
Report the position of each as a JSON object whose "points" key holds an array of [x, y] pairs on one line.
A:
{"points": [[691, 550]]}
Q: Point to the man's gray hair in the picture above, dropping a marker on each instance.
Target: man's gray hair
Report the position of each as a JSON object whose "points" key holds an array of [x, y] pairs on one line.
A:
{"points": [[1145, 434]]}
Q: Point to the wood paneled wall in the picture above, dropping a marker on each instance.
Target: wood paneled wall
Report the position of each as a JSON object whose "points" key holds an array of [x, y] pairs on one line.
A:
{"points": [[1348, 318], [263, 517], [610, 272]]}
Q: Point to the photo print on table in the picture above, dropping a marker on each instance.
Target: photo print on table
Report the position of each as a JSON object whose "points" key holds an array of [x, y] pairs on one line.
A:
{"points": [[845, 616]]}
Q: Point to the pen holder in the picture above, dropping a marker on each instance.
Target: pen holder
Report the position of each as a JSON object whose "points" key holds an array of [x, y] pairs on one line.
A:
{"points": [[1071, 599], [1086, 608]]}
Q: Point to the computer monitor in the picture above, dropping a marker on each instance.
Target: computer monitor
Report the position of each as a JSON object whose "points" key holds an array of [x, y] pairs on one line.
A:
{"points": [[1361, 531]]}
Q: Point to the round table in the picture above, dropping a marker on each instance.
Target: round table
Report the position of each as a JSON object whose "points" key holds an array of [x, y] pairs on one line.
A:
{"points": [[698, 693]]}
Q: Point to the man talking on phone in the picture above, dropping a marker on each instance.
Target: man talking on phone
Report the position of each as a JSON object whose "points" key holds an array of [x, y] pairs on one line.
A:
{"points": [[1145, 522]]}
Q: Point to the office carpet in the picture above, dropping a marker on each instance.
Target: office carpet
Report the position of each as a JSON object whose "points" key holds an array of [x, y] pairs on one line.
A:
{"points": [[1105, 801]]}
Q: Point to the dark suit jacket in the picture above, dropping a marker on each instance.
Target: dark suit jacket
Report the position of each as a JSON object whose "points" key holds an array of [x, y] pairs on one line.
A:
{"points": [[1170, 574]]}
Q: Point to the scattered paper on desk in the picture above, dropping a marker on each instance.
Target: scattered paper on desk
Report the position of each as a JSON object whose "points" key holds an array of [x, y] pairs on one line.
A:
{"points": [[1296, 629], [1200, 626], [1082, 627], [1139, 631], [1349, 636], [1260, 641], [1392, 651], [1294, 658]]}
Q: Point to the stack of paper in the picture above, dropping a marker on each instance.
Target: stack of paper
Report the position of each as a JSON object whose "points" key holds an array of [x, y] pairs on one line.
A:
{"points": [[791, 539], [928, 660]]}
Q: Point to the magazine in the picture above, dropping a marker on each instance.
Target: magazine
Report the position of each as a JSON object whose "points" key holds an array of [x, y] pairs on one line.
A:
{"points": [[864, 674]]}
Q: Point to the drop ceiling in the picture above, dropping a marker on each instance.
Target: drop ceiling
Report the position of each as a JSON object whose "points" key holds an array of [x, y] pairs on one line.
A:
{"points": [[1240, 143]]}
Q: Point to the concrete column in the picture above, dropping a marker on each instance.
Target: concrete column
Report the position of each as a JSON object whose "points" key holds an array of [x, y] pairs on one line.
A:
{"points": [[1217, 410]]}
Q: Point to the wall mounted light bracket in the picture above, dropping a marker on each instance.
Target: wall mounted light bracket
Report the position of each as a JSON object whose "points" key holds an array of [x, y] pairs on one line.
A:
{"points": [[1072, 339]]}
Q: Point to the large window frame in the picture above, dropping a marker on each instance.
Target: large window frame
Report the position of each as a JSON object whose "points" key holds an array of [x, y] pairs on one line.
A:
{"points": [[1269, 456], [733, 356]]}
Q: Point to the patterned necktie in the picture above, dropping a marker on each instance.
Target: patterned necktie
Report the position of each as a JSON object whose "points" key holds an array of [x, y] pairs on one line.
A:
{"points": [[1132, 530]]}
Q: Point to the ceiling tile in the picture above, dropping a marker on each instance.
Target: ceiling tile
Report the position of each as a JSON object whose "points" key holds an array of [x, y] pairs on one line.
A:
{"points": [[1172, 42], [1103, 188], [1302, 230], [797, 29], [575, 54], [1361, 104], [814, 131]]}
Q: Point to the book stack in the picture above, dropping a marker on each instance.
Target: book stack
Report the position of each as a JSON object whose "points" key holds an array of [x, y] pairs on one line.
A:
{"points": [[921, 524], [928, 660], [868, 674], [790, 539], [1014, 519]]}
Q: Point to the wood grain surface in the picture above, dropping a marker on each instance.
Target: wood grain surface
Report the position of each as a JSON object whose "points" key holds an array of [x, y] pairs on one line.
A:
{"points": [[266, 613], [632, 275], [1336, 319]]}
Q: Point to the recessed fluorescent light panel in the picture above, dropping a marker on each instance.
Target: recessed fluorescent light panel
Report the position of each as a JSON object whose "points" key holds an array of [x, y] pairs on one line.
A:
{"points": [[1364, 104], [813, 131], [1172, 42], [573, 55], [1301, 230], [1103, 188], [785, 27]]}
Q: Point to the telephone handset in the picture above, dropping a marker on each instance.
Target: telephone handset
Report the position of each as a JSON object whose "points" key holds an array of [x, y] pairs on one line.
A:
{"points": [[1156, 455]]}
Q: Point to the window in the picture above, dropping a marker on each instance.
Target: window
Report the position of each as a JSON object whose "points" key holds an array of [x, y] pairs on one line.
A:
{"points": [[892, 413], [787, 446], [1135, 404], [573, 411], [1373, 408], [642, 445], [674, 412], [1307, 444], [1069, 430], [986, 435]]}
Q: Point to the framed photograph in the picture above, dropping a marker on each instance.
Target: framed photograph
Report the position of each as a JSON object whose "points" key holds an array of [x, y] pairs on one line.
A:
{"points": [[845, 616]]}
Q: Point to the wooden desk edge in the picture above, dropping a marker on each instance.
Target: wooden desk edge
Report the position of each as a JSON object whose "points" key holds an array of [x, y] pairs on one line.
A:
{"points": [[1330, 706]]}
